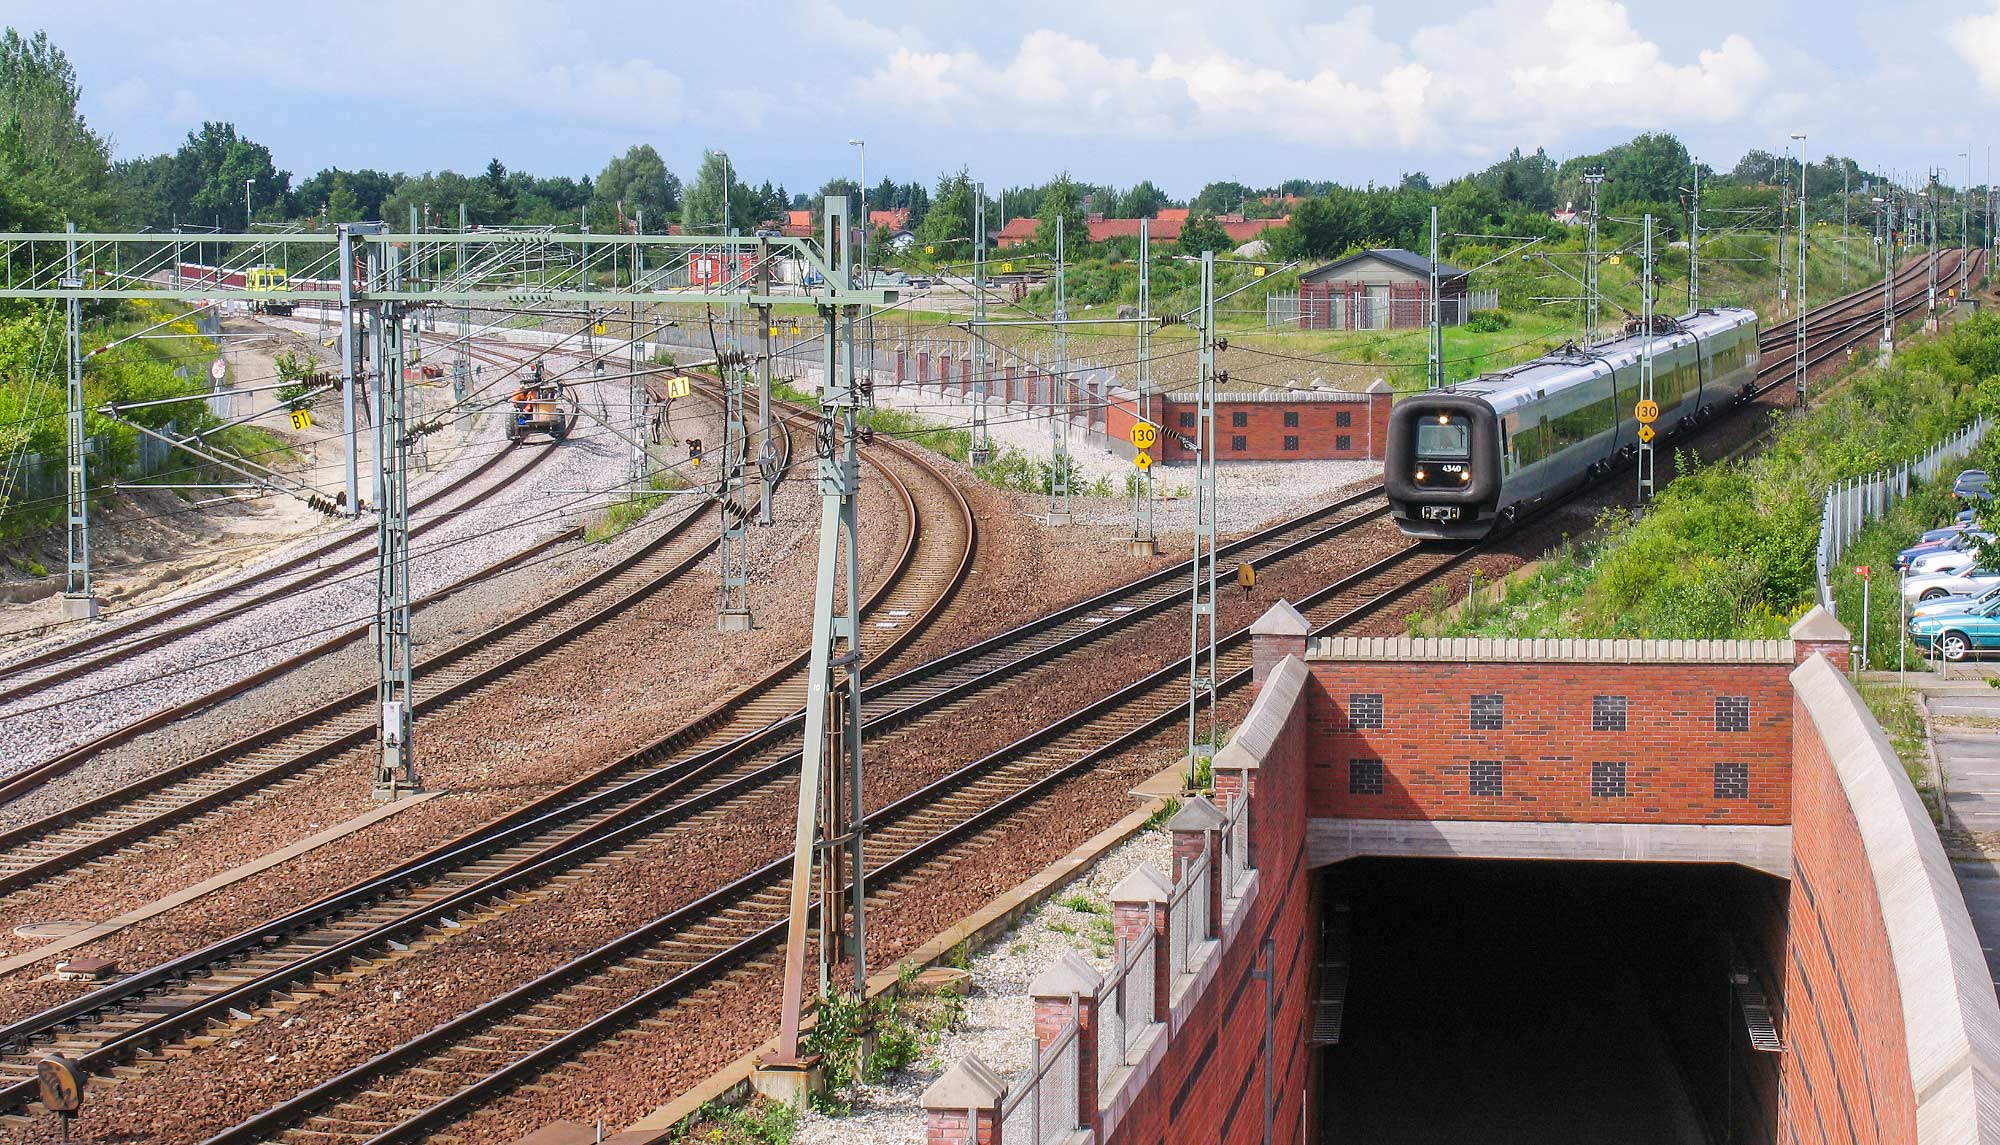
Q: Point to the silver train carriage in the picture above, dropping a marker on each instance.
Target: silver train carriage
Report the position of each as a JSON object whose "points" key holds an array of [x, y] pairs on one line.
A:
{"points": [[1471, 458]]}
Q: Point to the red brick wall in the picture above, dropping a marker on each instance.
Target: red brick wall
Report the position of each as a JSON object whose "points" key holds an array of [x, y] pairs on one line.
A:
{"points": [[1264, 433], [1846, 1066], [1210, 1085], [1546, 746]]}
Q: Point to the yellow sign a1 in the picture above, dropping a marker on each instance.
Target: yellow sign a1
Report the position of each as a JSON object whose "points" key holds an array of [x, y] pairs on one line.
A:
{"points": [[679, 387]]}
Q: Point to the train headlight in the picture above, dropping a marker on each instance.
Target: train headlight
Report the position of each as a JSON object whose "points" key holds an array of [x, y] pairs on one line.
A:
{"points": [[1464, 475], [1444, 419], [1420, 473]]}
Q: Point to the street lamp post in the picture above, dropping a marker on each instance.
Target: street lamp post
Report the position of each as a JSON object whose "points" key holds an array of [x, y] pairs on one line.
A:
{"points": [[1965, 228], [861, 147], [246, 204]]}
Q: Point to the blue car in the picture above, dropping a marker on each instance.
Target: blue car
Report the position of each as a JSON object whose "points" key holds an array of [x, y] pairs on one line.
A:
{"points": [[1959, 636], [1972, 486]]}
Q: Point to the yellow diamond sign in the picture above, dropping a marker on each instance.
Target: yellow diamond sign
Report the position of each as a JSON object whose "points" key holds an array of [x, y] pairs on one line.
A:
{"points": [[1143, 460], [1646, 434]]}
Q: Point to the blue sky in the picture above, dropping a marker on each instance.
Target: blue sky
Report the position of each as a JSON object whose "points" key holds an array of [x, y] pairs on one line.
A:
{"points": [[1183, 93]]}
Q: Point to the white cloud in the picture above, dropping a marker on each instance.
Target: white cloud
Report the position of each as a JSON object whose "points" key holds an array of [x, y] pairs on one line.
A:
{"points": [[1578, 65], [1977, 38]]}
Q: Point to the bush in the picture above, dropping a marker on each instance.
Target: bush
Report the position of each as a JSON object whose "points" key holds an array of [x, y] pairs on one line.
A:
{"points": [[1488, 321]]}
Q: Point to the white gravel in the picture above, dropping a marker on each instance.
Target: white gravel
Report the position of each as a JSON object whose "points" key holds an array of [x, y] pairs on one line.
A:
{"points": [[999, 1025], [44, 724]]}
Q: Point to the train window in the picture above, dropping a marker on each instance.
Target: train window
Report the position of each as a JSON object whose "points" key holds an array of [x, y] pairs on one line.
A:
{"points": [[1732, 781], [1291, 419], [1444, 438], [1239, 420], [1291, 443]]}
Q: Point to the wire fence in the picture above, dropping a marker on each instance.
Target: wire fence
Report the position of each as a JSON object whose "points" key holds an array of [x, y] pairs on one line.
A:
{"points": [[1851, 504], [1371, 311]]}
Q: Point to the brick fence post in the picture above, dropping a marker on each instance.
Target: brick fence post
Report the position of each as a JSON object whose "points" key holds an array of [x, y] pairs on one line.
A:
{"points": [[1198, 825], [1280, 632], [1380, 399], [1011, 375], [1820, 631], [1069, 986], [902, 363], [963, 1106], [1139, 904]]}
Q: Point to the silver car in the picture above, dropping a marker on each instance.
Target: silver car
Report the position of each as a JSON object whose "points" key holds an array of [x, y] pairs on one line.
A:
{"points": [[1931, 587]]}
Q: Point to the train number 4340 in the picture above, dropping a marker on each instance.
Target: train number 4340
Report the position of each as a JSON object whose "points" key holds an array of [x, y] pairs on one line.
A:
{"points": [[1441, 512]]}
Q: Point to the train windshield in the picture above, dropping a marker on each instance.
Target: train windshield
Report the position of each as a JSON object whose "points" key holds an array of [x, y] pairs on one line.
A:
{"points": [[1447, 440]]}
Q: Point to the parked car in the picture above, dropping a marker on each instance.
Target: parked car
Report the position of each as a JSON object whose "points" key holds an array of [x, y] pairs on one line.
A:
{"points": [[1932, 587], [1959, 635], [1958, 553], [1949, 605], [1972, 486], [1930, 542]]}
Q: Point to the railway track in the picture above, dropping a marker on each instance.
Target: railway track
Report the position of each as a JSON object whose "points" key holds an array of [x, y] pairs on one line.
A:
{"points": [[318, 564], [589, 822], [427, 1084], [316, 739], [432, 1081], [424, 1086]]}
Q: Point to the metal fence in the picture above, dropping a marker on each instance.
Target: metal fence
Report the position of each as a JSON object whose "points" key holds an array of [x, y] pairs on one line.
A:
{"points": [[1851, 504], [1377, 313], [1041, 1106], [30, 477]]}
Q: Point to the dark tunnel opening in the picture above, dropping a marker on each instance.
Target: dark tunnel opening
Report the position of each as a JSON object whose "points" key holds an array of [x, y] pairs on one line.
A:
{"points": [[1540, 1002]]}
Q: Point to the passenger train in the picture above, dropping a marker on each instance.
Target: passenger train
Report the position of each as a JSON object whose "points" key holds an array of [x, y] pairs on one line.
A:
{"points": [[1473, 458]]}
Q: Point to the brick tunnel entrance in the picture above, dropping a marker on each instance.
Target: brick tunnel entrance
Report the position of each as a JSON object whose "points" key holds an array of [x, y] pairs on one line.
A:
{"points": [[1537, 1002]]}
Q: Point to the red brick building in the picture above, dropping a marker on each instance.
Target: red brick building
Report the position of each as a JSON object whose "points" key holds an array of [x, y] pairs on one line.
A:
{"points": [[1867, 1010]]}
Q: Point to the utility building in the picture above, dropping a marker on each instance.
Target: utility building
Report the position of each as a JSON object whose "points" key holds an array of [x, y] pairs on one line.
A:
{"points": [[1385, 289]]}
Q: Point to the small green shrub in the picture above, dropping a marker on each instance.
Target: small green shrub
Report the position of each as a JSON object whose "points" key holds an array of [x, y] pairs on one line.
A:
{"points": [[1488, 321]]}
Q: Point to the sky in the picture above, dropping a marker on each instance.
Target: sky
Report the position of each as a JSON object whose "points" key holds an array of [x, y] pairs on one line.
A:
{"points": [[1179, 92]]}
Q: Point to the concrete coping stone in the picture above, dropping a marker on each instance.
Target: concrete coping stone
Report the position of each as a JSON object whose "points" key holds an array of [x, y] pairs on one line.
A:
{"points": [[1281, 619], [1432, 650], [1068, 974], [1146, 884], [1818, 626], [1279, 397], [1378, 386], [1197, 814], [1254, 737], [968, 1084], [1950, 1020]]}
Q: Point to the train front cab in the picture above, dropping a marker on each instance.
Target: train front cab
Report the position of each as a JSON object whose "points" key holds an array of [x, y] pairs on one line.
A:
{"points": [[1442, 466]]}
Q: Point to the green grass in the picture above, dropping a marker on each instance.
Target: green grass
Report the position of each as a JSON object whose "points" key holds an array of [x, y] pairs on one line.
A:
{"points": [[761, 1122], [617, 518], [1895, 709], [1727, 550]]}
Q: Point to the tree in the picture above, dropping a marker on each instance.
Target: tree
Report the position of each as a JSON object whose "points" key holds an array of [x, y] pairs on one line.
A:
{"points": [[637, 181], [1321, 227], [948, 223], [341, 204], [701, 203], [1222, 198], [1143, 201], [54, 165], [1202, 233], [1062, 199]]}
